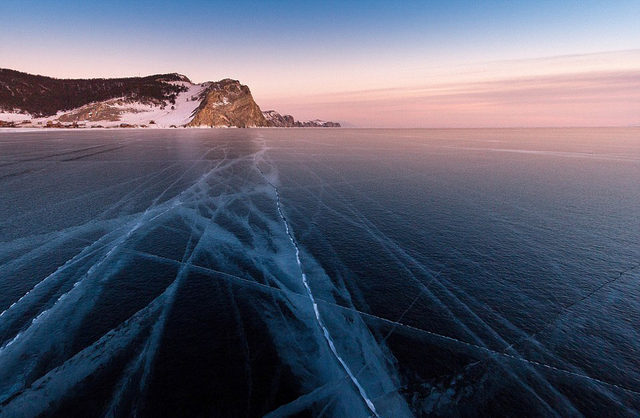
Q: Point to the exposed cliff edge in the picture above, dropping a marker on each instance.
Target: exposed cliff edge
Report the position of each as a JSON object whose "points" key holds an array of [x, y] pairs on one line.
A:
{"points": [[228, 103], [163, 100]]}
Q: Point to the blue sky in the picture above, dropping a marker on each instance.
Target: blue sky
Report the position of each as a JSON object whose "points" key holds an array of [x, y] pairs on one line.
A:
{"points": [[286, 51]]}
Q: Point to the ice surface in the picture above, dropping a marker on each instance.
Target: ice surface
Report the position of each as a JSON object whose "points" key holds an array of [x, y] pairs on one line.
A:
{"points": [[218, 233], [274, 274], [312, 299]]}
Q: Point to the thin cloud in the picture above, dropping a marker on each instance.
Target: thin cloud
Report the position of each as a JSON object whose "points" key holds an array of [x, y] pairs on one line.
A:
{"points": [[609, 98]]}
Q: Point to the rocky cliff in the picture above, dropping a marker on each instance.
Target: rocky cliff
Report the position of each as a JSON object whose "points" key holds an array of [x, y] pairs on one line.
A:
{"points": [[275, 119], [228, 103]]}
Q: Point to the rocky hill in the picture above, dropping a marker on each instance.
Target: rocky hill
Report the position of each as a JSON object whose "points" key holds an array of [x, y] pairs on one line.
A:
{"points": [[163, 100], [228, 103], [46, 96]]}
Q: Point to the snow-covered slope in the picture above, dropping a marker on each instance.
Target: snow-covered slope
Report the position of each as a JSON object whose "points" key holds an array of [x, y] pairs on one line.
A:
{"points": [[14, 117], [116, 112]]}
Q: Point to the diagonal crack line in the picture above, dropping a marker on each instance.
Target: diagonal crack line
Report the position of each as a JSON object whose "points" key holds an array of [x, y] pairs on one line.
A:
{"points": [[571, 305], [511, 346], [519, 358]]}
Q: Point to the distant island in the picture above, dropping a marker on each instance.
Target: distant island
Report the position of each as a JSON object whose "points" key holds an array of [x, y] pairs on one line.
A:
{"points": [[162, 101]]}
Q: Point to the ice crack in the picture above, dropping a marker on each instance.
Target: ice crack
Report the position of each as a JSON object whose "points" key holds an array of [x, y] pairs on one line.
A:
{"points": [[325, 331]]}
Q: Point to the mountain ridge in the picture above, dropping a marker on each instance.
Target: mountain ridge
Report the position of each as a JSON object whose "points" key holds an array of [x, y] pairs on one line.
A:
{"points": [[160, 100]]}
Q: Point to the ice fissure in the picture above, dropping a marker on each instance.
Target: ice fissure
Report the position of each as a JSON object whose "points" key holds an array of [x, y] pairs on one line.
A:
{"points": [[318, 316]]}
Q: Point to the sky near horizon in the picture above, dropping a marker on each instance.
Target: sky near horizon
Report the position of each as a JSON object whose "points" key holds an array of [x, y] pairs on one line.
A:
{"points": [[366, 63]]}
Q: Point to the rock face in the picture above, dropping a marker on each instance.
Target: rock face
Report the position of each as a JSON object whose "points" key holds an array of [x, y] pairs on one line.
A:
{"points": [[228, 103], [277, 120], [317, 123], [109, 110]]}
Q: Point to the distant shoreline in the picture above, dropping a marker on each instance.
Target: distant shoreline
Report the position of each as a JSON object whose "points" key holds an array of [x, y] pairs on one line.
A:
{"points": [[163, 128], [84, 129]]}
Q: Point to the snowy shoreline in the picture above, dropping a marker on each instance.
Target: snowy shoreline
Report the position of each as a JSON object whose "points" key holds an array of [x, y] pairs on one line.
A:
{"points": [[139, 128], [196, 105]]}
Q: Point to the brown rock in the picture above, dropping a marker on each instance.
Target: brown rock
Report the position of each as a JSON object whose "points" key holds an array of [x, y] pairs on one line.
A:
{"points": [[277, 120], [228, 103]]}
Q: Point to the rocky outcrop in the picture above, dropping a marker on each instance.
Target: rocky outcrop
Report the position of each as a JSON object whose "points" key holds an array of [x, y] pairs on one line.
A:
{"points": [[228, 103], [110, 110], [275, 119], [317, 123]]}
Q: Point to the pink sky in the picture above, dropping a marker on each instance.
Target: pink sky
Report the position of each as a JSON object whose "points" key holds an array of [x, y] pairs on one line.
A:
{"points": [[582, 90], [451, 63]]}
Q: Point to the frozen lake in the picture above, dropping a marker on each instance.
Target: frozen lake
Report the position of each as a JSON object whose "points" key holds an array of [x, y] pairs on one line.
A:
{"points": [[320, 272]]}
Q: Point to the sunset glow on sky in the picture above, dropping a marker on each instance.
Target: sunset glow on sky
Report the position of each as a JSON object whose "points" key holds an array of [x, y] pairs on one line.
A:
{"points": [[364, 63]]}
